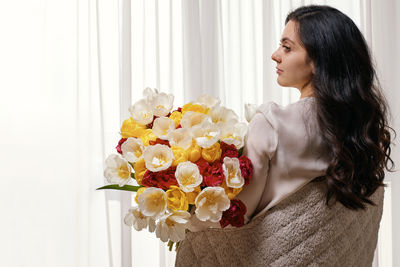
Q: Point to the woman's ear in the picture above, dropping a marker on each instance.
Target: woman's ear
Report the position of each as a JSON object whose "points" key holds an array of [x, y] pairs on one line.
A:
{"points": [[312, 68]]}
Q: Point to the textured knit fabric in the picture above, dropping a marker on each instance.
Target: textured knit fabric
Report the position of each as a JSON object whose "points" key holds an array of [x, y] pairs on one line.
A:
{"points": [[300, 231]]}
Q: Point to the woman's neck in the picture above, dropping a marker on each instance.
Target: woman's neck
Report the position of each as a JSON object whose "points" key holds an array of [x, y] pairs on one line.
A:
{"points": [[306, 91]]}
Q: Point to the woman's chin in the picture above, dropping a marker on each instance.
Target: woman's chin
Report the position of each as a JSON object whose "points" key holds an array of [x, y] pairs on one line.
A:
{"points": [[282, 83]]}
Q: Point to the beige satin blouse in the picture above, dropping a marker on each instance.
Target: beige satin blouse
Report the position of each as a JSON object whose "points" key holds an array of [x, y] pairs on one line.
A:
{"points": [[286, 149]]}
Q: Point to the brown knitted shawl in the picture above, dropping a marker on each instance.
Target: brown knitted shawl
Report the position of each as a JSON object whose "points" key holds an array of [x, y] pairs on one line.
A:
{"points": [[299, 231]]}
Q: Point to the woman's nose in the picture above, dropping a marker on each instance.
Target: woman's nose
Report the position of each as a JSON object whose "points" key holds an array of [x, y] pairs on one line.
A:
{"points": [[275, 57]]}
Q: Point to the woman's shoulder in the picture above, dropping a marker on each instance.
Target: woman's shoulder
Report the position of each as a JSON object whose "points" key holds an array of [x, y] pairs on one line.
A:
{"points": [[276, 113]]}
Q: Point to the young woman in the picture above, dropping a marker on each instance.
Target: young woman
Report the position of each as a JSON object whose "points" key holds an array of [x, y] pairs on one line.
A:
{"points": [[316, 195]]}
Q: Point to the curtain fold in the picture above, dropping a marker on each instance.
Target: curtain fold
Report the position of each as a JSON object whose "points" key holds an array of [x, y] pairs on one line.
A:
{"points": [[125, 85], [98, 107], [384, 31], [202, 51], [272, 28]]}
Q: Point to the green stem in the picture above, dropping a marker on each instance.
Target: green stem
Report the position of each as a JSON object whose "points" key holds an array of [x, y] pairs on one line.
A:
{"points": [[170, 244]]}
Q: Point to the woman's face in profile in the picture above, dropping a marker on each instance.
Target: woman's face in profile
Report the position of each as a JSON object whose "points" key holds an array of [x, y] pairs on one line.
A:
{"points": [[293, 68]]}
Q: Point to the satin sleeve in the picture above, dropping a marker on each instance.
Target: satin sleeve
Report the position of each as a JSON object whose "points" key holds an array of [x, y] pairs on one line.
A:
{"points": [[260, 146]]}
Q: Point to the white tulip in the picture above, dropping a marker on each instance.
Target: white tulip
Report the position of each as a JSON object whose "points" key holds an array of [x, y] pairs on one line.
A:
{"points": [[132, 149], [208, 101], [149, 93], [250, 111], [181, 137], [197, 225], [234, 134], [206, 135], [162, 126], [233, 175], [172, 226], [223, 115], [142, 112], [210, 203], [188, 176], [162, 104], [158, 157], [118, 170], [192, 119], [153, 202], [138, 221]]}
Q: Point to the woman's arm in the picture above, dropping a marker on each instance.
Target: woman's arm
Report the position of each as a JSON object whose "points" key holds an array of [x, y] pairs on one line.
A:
{"points": [[260, 146]]}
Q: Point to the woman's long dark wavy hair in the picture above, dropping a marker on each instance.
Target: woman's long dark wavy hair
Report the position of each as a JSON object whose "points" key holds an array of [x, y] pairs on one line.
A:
{"points": [[352, 112]]}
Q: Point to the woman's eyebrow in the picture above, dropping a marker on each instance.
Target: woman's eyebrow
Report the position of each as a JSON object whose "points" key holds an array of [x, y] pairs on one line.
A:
{"points": [[286, 39]]}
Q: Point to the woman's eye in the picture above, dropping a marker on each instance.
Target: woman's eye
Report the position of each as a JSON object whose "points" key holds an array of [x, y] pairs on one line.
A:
{"points": [[287, 48]]}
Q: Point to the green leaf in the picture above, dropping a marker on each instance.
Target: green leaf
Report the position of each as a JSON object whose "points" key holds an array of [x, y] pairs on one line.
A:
{"points": [[241, 151], [130, 188]]}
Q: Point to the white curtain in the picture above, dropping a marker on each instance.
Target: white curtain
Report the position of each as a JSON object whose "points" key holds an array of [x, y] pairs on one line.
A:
{"points": [[59, 118], [51, 138], [70, 70]]}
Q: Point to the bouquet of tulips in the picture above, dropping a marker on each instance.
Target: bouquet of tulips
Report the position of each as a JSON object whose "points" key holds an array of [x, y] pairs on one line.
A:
{"points": [[186, 162]]}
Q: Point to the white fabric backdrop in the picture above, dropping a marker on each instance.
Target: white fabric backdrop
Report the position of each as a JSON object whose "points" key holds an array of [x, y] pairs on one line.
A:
{"points": [[67, 69]]}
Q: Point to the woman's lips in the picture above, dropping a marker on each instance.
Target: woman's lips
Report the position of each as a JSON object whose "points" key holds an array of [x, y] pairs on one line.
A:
{"points": [[279, 71]]}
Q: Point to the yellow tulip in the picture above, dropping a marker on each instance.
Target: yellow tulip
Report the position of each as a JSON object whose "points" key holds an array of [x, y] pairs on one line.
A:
{"points": [[194, 107], [140, 191], [176, 199], [231, 192], [176, 116], [212, 153], [147, 136], [194, 152], [180, 155], [140, 169], [191, 196], [130, 128]]}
